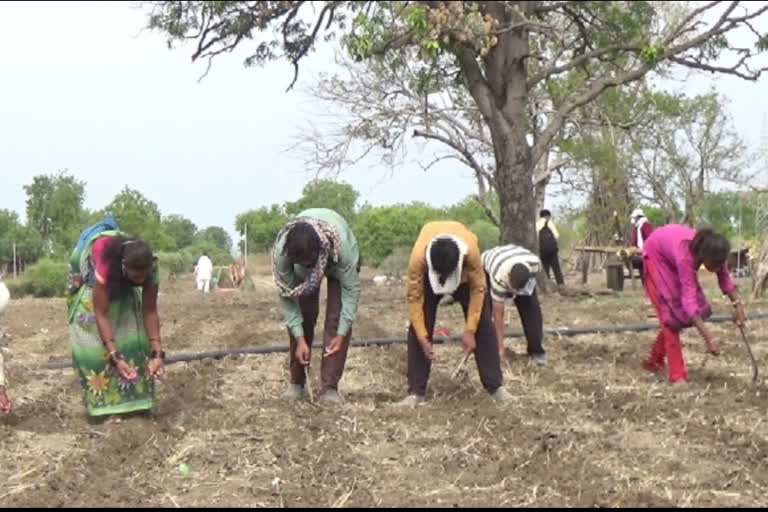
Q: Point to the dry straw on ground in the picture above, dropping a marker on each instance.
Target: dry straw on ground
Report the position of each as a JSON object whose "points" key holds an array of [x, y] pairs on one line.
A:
{"points": [[590, 429]]}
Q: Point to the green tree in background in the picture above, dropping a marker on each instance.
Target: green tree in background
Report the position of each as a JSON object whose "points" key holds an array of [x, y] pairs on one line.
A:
{"points": [[340, 197], [55, 208], [379, 230], [138, 216], [217, 237], [470, 210], [263, 226], [487, 233], [28, 241], [192, 253], [660, 216], [737, 215], [180, 229]]}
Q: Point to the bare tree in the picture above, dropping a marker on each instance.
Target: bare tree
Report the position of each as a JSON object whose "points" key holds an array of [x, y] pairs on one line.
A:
{"points": [[684, 155], [377, 108], [383, 107]]}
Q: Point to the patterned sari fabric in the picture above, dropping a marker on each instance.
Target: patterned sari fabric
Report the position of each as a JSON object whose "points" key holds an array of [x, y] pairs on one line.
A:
{"points": [[104, 391]]}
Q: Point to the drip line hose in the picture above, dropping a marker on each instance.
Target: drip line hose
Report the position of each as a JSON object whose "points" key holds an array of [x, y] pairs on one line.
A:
{"points": [[512, 333]]}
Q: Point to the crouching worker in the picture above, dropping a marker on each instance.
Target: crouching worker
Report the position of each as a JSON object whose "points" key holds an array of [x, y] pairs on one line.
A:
{"points": [[672, 256], [318, 243], [445, 260], [510, 274], [114, 325], [5, 298]]}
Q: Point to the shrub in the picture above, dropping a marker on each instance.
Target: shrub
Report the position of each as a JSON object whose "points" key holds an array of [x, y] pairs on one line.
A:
{"points": [[396, 264], [379, 230], [171, 262], [487, 233], [222, 277], [47, 278]]}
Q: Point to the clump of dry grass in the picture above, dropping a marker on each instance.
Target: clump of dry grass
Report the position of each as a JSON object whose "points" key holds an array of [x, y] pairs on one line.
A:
{"points": [[592, 428]]}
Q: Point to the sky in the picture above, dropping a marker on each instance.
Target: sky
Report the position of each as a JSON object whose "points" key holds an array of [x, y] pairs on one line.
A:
{"points": [[83, 88]]}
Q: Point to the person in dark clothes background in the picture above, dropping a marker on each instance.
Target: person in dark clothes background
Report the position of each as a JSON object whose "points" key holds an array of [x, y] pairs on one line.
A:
{"points": [[548, 246]]}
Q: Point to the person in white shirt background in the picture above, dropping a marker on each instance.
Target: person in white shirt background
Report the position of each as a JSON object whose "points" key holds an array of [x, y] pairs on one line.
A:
{"points": [[641, 230], [510, 273], [203, 273], [5, 297]]}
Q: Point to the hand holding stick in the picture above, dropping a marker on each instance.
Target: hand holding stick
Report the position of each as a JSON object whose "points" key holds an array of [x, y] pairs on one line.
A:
{"points": [[461, 365], [309, 386], [751, 356]]}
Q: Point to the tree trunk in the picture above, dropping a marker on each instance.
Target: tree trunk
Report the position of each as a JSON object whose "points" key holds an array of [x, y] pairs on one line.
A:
{"points": [[540, 186], [540, 195], [609, 194], [502, 98], [514, 178], [760, 271], [688, 214]]}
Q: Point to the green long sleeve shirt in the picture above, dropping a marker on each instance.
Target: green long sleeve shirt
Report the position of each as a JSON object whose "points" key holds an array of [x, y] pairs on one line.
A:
{"points": [[345, 271]]}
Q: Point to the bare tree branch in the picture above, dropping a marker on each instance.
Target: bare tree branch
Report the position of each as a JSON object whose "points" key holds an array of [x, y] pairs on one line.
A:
{"points": [[733, 70], [452, 144], [542, 8], [327, 9], [554, 70], [593, 89], [478, 87]]}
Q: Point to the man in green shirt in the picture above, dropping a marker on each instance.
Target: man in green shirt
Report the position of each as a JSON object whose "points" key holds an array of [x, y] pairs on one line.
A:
{"points": [[317, 243]]}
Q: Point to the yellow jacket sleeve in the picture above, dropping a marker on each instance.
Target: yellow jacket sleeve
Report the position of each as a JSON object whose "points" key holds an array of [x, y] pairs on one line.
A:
{"points": [[417, 268]]}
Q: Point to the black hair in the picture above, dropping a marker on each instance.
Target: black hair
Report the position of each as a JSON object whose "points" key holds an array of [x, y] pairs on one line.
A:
{"points": [[709, 245], [129, 253], [444, 254], [545, 213], [301, 240], [519, 275]]}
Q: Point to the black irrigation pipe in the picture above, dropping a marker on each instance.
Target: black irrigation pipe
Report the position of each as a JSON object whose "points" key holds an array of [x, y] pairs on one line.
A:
{"points": [[513, 333]]}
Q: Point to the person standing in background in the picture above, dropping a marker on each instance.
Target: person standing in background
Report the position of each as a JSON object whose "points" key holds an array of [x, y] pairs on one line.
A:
{"points": [[548, 245], [641, 230], [5, 297], [203, 273]]}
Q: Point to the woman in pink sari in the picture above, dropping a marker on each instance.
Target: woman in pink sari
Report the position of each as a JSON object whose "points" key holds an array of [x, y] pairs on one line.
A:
{"points": [[672, 256]]}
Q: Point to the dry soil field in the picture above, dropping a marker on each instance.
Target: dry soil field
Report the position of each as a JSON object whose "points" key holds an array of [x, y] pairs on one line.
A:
{"points": [[590, 429]]}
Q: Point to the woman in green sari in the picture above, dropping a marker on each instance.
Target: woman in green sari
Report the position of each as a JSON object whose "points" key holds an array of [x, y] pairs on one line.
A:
{"points": [[114, 325]]}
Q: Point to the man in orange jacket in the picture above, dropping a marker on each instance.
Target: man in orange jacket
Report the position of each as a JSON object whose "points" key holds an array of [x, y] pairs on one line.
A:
{"points": [[445, 260]]}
